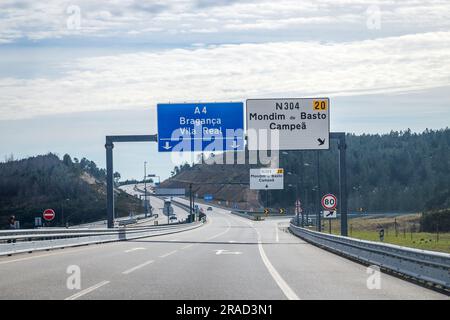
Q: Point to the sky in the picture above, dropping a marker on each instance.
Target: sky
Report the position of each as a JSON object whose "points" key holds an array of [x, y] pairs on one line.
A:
{"points": [[72, 72]]}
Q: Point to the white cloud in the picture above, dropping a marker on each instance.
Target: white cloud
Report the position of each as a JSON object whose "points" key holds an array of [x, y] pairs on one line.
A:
{"points": [[37, 20], [233, 72]]}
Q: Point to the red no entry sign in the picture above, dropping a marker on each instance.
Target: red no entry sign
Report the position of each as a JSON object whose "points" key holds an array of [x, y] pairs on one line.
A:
{"points": [[48, 214], [329, 202]]}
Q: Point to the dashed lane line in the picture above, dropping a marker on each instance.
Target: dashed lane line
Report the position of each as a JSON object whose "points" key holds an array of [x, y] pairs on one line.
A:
{"points": [[87, 290]]}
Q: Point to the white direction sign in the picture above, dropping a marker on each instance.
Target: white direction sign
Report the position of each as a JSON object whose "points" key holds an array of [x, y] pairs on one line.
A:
{"points": [[330, 214], [301, 124], [266, 179]]}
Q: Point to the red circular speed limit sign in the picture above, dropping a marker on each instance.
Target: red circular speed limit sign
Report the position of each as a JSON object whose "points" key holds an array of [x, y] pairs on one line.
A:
{"points": [[329, 202], [48, 214]]}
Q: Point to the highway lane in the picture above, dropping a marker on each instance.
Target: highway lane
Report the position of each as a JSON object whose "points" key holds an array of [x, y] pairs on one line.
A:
{"points": [[156, 203], [228, 258], [313, 273]]}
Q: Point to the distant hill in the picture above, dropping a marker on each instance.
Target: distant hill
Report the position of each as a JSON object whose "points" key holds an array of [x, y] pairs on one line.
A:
{"points": [[399, 171], [218, 180], [73, 188]]}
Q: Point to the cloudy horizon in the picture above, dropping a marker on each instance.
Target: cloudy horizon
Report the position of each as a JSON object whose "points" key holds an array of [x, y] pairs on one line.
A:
{"points": [[78, 70]]}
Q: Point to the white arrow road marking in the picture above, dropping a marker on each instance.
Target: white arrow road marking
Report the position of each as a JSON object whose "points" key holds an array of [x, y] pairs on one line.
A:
{"points": [[222, 251], [137, 267], [87, 290], [134, 249]]}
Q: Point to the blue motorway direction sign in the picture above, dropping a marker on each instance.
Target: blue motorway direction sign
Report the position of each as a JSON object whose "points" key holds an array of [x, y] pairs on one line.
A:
{"points": [[208, 197], [200, 126]]}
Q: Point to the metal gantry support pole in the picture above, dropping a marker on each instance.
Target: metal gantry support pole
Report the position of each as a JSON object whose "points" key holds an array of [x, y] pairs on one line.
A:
{"points": [[145, 190], [109, 183], [109, 145], [342, 204], [343, 185], [318, 220]]}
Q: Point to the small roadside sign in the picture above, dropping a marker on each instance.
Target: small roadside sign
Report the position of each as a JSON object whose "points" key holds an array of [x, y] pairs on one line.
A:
{"points": [[282, 211], [266, 211], [48, 214], [266, 179], [330, 214], [329, 202], [38, 222], [168, 210], [298, 207]]}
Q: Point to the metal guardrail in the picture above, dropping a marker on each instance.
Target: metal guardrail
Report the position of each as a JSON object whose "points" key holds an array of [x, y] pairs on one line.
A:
{"points": [[20, 241], [245, 214], [423, 265]]}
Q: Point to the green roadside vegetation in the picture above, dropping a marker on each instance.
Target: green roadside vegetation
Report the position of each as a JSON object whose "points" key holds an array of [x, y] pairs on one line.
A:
{"points": [[402, 230]]}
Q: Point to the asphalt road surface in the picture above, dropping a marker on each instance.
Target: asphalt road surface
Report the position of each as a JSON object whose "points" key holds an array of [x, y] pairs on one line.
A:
{"points": [[228, 258]]}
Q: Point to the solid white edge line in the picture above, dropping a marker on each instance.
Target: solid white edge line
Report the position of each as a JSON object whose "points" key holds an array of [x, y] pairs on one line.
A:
{"points": [[87, 290], [138, 267], [288, 292]]}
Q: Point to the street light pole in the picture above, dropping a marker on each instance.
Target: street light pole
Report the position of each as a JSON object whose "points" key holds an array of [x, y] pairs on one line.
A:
{"points": [[62, 212], [300, 176]]}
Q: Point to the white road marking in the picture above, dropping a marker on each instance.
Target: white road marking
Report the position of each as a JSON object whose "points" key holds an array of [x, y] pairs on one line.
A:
{"points": [[222, 233], [134, 249], [231, 241], [137, 267], [188, 246], [277, 239], [288, 292], [222, 251], [87, 290], [168, 254]]}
